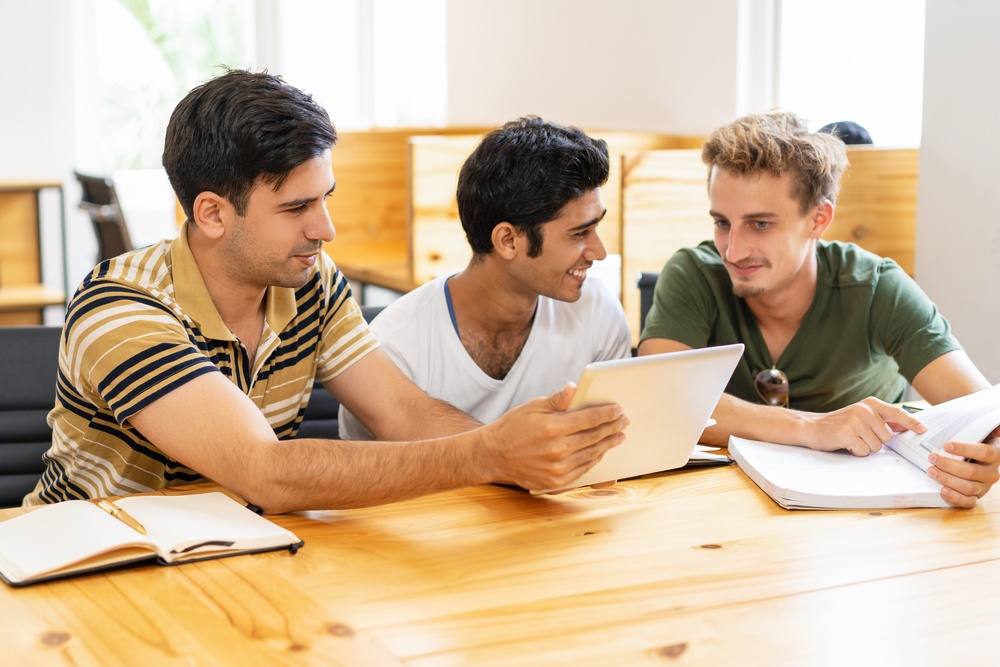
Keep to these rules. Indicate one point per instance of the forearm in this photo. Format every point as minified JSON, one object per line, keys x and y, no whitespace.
{"x":336,"y":474}
{"x":422,"y":418}
{"x":755,"y":422}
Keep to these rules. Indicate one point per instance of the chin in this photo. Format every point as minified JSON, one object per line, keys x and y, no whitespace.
{"x":748,"y":291}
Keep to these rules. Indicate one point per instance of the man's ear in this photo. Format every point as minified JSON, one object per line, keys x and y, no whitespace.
{"x":211,"y":212}
{"x":821,"y":218}
{"x":506,"y":240}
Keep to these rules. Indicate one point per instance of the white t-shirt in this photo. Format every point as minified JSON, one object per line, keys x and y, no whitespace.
{"x":417,"y":333}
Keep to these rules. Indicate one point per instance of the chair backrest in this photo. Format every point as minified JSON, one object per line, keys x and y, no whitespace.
{"x":99,"y":200}
{"x":647,"y":285}
{"x":320,"y":419}
{"x":29,"y":361}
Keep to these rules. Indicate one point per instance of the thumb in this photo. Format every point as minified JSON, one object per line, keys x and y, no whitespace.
{"x":559,"y":401}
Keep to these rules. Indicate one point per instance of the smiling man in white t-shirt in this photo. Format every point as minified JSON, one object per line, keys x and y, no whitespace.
{"x":521,"y":319}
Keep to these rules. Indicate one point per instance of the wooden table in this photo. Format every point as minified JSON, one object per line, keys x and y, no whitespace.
{"x":694,"y":567}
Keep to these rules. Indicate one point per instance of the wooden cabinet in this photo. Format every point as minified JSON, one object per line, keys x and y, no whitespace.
{"x":23,"y":296}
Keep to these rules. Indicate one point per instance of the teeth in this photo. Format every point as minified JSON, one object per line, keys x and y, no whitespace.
{"x":578,"y":273}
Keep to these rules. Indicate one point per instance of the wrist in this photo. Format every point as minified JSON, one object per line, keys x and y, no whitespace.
{"x":482,"y":455}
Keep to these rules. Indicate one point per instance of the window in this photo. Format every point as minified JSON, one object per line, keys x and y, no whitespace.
{"x":857,"y":60}
{"x":145,"y":55}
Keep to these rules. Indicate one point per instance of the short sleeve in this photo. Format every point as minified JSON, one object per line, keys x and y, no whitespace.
{"x":683,"y":307}
{"x":345,"y":336}
{"x":124,"y":349}
{"x":612,"y":337}
{"x":906,"y":323}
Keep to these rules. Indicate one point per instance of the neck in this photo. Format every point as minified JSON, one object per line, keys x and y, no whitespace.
{"x":240,"y":305}
{"x":485,"y":301}
{"x":789,"y":302}
{"x":779,"y":312}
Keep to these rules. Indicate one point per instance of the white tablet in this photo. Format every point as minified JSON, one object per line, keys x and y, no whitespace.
{"x":669,"y":399}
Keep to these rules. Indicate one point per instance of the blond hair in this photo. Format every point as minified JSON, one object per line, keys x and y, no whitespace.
{"x":777,"y":143}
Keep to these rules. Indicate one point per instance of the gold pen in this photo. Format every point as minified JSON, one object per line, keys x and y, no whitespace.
{"x":121,"y":515}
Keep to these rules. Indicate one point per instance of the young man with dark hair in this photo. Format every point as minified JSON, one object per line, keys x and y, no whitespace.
{"x":522,"y":318}
{"x":195,"y":358}
{"x":831,"y":331}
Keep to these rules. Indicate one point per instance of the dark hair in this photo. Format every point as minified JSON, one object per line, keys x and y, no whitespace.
{"x":239,"y":128}
{"x":524,"y":173}
{"x":848,"y":131}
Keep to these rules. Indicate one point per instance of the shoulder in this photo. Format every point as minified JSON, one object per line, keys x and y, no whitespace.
{"x":705,"y":254}
{"x":597,"y":312}
{"x":147,"y":268}
{"x":849,"y":264}
{"x":137,"y":280}
{"x":418,"y":305}
{"x":699,"y":268}
{"x":700,"y":260}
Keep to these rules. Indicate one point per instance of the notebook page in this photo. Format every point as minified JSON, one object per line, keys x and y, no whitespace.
{"x":52,"y":537}
{"x":966,"y":419}
{"x":207,"y":521}
{"x":807,"y":472}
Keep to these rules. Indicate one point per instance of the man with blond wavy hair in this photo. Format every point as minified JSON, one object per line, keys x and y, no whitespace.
{"x":831,"y":331}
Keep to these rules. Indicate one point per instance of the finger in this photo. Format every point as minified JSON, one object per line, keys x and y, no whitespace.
{"x":961,"y":481}
{"x":957,"y":499}
{"x":593,"y":423}
{"x":583,"y":460}
{"x":899,"y":418}
{"x":977,"y":451}
{"x":869,"y":440}
{"x":559,"y":401}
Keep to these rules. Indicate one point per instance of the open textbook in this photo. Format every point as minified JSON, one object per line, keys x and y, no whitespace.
{"x":78,"y":537}
{"x":894,"y":477}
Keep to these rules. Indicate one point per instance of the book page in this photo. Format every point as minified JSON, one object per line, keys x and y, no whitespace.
{"x":966,"y":419}
{"x":50,"y":538}
{"x":183,"y":526}
{"x":799,"y":477}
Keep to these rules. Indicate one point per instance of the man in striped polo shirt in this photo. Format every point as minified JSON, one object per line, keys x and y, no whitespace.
{"x":194,"y":358}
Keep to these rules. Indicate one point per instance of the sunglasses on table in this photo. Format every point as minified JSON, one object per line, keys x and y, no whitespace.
{"x":772,"y":387}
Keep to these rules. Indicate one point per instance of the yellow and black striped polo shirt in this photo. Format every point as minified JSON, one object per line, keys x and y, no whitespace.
{"x":143,"y":324}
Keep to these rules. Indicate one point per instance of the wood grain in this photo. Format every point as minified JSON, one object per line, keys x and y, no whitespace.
{"x":691,"y":566}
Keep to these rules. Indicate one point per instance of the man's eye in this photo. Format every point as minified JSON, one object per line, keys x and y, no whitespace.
{"x":722,"y":224}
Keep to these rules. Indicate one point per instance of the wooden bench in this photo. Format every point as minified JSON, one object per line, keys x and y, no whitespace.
{"x":371,"y":206}
{"x":665,"y":207}
{"x":436,"y":236}
{"x":395,"y":208}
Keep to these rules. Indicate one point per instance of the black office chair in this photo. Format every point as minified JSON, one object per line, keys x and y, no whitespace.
{"x":99,"y":200}
{"x":29,"y":361}
{"x":647,"y":285}
{"x":321,"y":419}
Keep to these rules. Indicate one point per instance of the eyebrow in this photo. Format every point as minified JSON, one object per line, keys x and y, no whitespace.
{"x":749,"y":216}
{"x":589,"y":223}
{"x":305,"y":200}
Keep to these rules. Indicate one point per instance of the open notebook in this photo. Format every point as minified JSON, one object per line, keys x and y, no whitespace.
{"x":77,"y":537}
{"x":669,"y":399}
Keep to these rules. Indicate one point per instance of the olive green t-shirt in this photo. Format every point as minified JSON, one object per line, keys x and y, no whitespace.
{"x":869,"y":330}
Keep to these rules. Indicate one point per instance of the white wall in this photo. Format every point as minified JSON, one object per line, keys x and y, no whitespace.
{"x":958,"y":233}
{"x":666,"y":65}
{"x":36,"y":107}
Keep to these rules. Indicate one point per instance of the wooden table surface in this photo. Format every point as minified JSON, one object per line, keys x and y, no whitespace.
{"x":691,"y":567}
